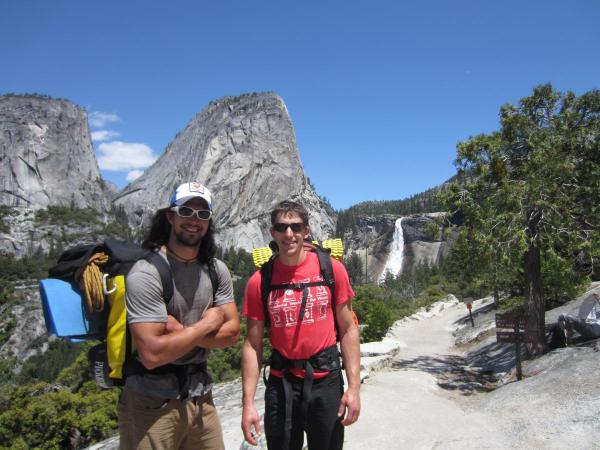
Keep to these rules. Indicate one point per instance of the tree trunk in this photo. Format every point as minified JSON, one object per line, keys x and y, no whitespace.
{"x":495,"y":281}
{"x":535,"y":329}
{"x":496,"y":297}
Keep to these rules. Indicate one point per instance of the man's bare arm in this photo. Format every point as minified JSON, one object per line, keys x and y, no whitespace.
{"x":229,"y":333}
{"x":251,"y":363}
{"x":157,"y":347}
{"x":350,"y":343}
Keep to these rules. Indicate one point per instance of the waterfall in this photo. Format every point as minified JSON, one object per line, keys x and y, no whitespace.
{"x":393,"y":264}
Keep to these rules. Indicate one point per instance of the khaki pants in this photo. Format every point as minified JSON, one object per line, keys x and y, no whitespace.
{"x":152,"y":423}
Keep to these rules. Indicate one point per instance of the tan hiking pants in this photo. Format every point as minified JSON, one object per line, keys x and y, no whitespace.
{"x":152,"y":423}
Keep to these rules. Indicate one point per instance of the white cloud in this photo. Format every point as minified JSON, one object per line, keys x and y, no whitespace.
{"x":98,"y":119}
{"x":104,"y":135}
{"x":117,"y":156}
{"x":134,"y":174}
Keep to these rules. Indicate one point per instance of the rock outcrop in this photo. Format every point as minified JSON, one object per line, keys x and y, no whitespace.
{"x":373,"y":236}
{"x":420,"y":247}
{"x":370,"y":240}
{"x":46,"y":155}
{"x":26,"y":319}
{"x":46,"y":160}
{"x":244,"y":150}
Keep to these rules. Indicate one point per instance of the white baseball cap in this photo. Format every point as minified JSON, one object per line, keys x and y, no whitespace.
{"x":190,"y":190}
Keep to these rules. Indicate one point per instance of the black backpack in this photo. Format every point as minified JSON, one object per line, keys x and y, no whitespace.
{"x":326,"y":272}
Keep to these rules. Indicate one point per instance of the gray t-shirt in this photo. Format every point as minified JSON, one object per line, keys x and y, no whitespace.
{"x":192,"y":295}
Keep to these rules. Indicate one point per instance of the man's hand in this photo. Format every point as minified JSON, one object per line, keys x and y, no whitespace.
{"x":349,"y":409}
{"x":250,"y":424}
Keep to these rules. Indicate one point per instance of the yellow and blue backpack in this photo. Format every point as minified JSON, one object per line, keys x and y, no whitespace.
{"x":85,"y":300}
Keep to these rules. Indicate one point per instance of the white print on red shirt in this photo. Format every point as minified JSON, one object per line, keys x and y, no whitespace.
{"x":285,"y":308}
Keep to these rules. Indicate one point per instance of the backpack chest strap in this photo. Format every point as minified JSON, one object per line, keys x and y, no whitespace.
{"x":297,"y":286}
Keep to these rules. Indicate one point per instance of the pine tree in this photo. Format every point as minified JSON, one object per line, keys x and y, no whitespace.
{"x":532,"y":188}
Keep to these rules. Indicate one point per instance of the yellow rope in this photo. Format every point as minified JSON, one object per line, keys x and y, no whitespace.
{"x":90,"y":281}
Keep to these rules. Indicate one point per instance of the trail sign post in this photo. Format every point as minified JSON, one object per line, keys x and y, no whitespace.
{"x":510,"y":328}
{"x":469,"y":302}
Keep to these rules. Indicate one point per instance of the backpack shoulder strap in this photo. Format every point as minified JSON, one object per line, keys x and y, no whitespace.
{"x":164,"y":271}
{"x":326,"y":268}
{"x":266,"y":276}
{"x":214,"y":276}
{"x":329,"y":279}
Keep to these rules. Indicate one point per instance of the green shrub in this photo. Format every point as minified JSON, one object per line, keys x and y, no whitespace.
{"x":47,"y":366}
{"x":5,"y":211}
{"x":64,"y":215}
{"x":372,"y":312}
{"x":561,"y":282}
{"x":26,"y":268}
{"x":224,"y":364}
{"x":48,"y":416}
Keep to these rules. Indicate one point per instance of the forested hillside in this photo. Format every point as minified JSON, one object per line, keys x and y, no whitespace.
{"x":424,"y":202}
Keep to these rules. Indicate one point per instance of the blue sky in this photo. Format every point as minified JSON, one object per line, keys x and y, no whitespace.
{"x":379,"y":92}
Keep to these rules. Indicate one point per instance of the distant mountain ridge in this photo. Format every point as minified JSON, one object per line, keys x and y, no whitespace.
{"x":244,"y":150}
{"x":421,"y":203}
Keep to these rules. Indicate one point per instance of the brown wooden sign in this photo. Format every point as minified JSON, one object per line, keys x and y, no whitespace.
{"x":510,"y":328}
{"x":509,"y":337}
{"x":512,"y":320}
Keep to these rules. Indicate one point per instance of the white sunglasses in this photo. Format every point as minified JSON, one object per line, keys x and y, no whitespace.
{"x":187,"y":212}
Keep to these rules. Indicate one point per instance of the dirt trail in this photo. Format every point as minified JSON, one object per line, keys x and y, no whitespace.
{"x":430,"y":399}
{"x":404,"y":407}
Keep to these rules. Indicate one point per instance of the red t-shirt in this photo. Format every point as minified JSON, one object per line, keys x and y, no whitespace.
{"x":317,"y":330}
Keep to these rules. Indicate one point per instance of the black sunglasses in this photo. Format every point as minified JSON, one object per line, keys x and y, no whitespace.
{"x":186,"y":211}
{"x":297,"y":227}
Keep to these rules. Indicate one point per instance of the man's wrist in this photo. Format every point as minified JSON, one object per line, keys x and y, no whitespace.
{"x":204,"y":328}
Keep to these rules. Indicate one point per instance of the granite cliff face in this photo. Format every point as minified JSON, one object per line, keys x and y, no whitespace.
{"x":46,"y":159}
{"x":46,"y":155}
{"x":244,"y":150}
{"x":419,"y":246}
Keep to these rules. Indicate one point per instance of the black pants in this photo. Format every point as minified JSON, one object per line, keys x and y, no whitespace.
{"x":323,"y":428}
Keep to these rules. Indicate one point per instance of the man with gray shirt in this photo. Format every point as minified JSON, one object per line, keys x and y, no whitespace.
{"x":167,"y":401}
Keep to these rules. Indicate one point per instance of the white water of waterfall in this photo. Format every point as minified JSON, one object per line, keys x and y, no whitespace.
{"x":393,"y":264}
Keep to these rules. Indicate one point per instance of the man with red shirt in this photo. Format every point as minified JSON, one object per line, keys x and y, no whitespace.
{"x":305,"y":390}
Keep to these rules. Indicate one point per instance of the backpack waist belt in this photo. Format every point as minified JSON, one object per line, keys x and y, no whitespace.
{"x":325,"y":361}
{"x":183,"y":372}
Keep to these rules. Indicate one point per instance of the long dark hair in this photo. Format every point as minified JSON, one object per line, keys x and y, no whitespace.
{"x":160,"y":230}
